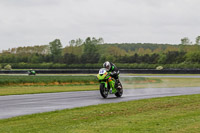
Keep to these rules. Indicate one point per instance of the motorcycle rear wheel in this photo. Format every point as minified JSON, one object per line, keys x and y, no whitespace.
{"x":103,"y":91}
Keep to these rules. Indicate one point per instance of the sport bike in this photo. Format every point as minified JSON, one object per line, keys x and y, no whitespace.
{"x":31,"y":72}
{"x":108,"y":84}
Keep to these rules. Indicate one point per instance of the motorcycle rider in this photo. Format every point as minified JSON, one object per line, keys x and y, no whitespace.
{"x":31,"y":72}
{"x":110,"y":67}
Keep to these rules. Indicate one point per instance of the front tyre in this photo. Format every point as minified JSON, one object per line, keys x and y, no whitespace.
{"x":103,"y":91}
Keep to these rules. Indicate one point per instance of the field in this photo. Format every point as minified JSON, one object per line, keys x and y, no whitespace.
{"x":162,"y":115}
{"x":22,"y":84}
{"x":24,"y":80}
{"x":160,"y":82}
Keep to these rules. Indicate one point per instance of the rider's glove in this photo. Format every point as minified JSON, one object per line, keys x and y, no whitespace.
{"x":113,"y":73}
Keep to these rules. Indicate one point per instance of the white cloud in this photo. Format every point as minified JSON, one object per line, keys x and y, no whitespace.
{"x":37,"y":22}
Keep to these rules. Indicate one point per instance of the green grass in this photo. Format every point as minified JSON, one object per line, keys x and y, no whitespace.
{"x":16,"y":79}
{"x":160,"y":82}
{"x":180,"y":114}
{"x":19,"y":90}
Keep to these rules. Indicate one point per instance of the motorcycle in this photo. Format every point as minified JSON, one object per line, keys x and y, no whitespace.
{"x":108,"y":84}
{"x":31,"y":72}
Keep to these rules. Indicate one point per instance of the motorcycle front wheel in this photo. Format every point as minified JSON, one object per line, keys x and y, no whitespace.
{"x":103,"y":91}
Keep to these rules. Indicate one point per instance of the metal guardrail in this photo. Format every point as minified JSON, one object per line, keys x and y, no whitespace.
{"x":95,"y":71}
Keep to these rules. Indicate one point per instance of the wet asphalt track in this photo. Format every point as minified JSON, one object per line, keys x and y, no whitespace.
{"x":16,"y":105}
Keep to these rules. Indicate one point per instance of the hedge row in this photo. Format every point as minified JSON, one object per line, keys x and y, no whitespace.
{"x":97,"y":66}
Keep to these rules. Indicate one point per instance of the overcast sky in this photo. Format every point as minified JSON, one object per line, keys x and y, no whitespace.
{"x":38,"y":22}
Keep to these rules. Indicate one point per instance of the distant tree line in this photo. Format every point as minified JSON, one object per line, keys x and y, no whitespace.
{"x":94,"y":51}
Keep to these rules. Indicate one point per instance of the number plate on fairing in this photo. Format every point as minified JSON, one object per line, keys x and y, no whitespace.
{"x":102,"y":71}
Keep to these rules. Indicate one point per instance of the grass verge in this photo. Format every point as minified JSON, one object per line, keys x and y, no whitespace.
{"x":10,"y":80}
{"x":160,"y":82}
{"x":19,"y":90}
{"x":168,"y":114}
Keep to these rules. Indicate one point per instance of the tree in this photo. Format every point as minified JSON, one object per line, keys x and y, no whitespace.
{"x":193,"y":57}
{"x":145,"y":58}
{"x":148,"y":51}
{"x":170,"y":48}
{"x":8,"y":67}
{"x":158,"y":50}
{"x":100,"y":40}
{"x":70,"y":58}
{"x":140,"y":51}
{"x":116,"y":51}
{"x":79,"y":42}
{"x":56,"y":50}
{"x":75,"y":47}
{"x":72,"y":43}
{"x":185,"y":41}
{"x":171,"y":57}
{"x":162,"y":59}
{"x":135,"y":59}
{"x":198,"y":40}
{"x":102,"y":58}
{"x":90,"y":54}
{"x":35,"y":58}
{"x":154,"y":58}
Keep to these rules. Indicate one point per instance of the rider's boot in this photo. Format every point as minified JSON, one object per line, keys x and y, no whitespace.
{"x":118,"y":84}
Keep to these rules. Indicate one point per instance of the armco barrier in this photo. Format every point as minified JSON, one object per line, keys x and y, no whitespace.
{"x":64,"y":71}
{"x":95,"y":71}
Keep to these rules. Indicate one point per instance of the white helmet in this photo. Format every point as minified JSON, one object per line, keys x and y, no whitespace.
{"x":107,"y":65}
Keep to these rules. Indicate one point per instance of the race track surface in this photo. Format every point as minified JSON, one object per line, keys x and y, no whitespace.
{"x":16,"y":105}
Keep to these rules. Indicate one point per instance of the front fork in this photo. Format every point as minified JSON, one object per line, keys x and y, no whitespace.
{"x":105,"y":83}
{"x":112,"y":86}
